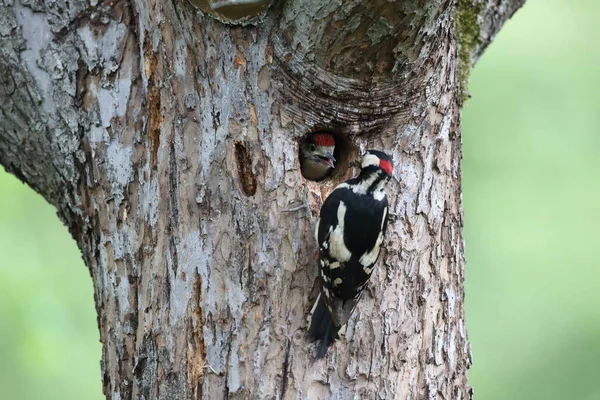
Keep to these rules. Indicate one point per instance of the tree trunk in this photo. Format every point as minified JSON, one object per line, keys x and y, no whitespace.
{"x":167,"y":139}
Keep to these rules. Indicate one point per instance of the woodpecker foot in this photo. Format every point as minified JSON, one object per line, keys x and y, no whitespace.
{"x":354,"y":164}
{"x":303,"y":206}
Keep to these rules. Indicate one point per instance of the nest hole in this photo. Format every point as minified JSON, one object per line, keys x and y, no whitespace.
{"x":247,"y":180}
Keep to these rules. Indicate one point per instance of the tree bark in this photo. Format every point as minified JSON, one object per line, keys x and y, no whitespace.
{"x":167,"y":137}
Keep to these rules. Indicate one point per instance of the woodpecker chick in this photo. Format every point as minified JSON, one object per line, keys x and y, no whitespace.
{"x":316,"y":156}
{"x":349,"y":233}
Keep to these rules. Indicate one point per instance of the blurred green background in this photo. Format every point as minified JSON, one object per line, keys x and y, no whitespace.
{"x":532,"y":212}
{"x":531,"y":168}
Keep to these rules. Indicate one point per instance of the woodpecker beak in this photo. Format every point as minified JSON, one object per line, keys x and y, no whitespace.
{"x":328,"y":159}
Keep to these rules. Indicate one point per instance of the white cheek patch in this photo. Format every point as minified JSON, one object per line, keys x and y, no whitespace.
{"x":363,"y":186}
{"x":337,"y":282}
{"x":366,"y":184}
{"x":338,"y":249}
{"x":370,"y":160}
{"x":379,"y":195}
{"x":379,"y":192}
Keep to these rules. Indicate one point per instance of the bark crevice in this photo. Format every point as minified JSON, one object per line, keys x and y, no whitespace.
{"x":168,"y":143}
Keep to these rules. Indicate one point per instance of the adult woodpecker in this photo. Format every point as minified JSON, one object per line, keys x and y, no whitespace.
{"x":316,"y":156}
{"x":349,"y":233}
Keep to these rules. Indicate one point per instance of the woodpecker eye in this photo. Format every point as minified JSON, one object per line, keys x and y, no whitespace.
{"x":313,"y":147}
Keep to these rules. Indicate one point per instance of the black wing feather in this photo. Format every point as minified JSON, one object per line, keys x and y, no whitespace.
{"x":362,"y":225}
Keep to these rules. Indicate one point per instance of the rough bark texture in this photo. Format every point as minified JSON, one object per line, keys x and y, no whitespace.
{"x":167,"y":140}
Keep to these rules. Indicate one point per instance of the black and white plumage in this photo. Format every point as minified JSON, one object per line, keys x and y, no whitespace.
{"x":351,"y":228}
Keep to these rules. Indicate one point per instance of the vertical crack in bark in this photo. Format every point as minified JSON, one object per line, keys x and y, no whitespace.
{"x":153,"y":99}
{"x":286,"y":365}
{"x":370,"y":364}
{"x":186,"y":54}
{"x":173,"y":227}
{"x":196,"y":350}
{"x":226,"y":385}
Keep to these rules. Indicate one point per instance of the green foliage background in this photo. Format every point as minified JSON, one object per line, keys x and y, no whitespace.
{"x":532,"y":206}
{"x":532,"y":210}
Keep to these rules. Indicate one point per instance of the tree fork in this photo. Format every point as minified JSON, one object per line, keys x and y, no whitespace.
{"x":166,"y":137}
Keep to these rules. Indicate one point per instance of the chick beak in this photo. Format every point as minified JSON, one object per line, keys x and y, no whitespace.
{"x":328,"y":159}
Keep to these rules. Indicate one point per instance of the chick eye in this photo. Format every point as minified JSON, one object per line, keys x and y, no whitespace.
{"x":313,"y":147}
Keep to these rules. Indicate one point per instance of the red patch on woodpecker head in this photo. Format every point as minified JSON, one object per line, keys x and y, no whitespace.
{"x":324,"y":139}
{"x":386,"y":166}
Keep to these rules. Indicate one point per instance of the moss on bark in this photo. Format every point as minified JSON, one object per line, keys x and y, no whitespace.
{"x":467,"y":31}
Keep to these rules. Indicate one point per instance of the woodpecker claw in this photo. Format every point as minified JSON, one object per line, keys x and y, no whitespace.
{"x":354,"y":164}
{"x":303,"y":206}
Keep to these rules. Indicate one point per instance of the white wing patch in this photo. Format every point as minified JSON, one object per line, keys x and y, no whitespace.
{"x":338,"y":249}
{"x":368,"y":259}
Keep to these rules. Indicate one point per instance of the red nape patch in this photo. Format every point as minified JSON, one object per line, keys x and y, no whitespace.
{"x":386,"y":166}
{"x":324,"y":139}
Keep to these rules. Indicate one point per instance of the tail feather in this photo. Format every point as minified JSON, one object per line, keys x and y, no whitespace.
{"x":322,"y":328}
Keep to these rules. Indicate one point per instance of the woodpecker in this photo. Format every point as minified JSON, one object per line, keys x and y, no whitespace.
{"x":352,"y":225}
{"x":316,"y":156}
